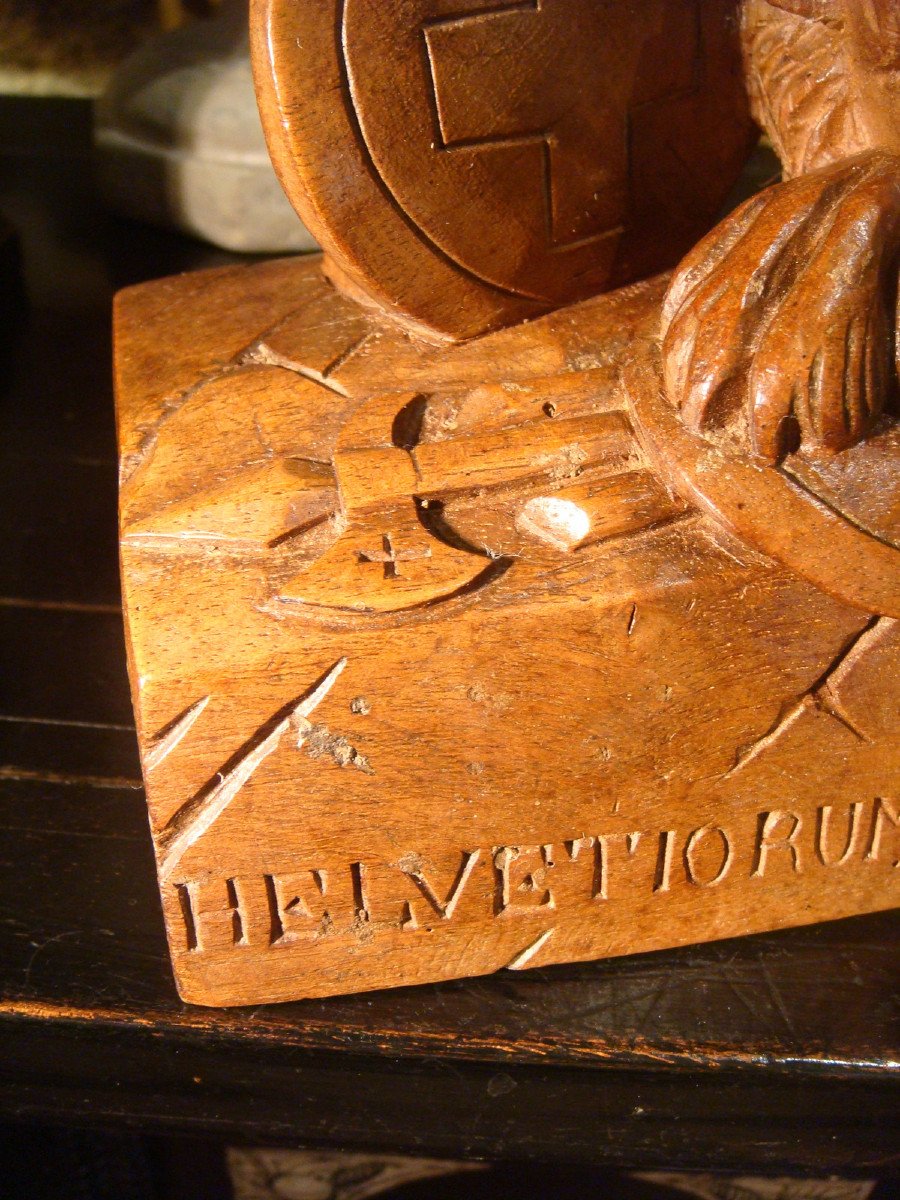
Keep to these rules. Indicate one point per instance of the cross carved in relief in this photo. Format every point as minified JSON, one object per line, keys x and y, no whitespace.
{"x":503,"y":76}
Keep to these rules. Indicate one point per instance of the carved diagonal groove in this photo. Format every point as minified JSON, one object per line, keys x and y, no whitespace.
{"x":195,"y":818}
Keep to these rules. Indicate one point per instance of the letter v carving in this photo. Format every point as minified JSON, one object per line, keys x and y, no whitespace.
{"x":411,"y":865}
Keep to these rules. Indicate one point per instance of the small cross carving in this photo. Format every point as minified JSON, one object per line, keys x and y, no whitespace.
{"x":391,"y":556}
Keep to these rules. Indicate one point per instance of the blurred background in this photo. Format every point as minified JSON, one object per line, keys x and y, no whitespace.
{"x":177,"y":137}
{"x":70,"y":47}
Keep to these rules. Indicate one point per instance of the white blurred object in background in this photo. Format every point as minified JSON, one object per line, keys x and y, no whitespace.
{"x":180,"y":143}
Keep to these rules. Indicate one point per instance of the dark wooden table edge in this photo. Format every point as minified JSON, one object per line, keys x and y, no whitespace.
{"x":100,"y":1072}
{"x":322,"y":1037}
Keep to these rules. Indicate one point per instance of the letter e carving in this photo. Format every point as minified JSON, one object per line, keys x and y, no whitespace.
{"x":291,"y":915}
{"x":520,"y":881}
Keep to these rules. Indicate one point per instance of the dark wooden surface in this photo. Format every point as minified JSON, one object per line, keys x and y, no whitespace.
{"x":770,"y":1053}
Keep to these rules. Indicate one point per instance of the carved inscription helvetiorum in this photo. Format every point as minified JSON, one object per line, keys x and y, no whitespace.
{"x":537,"y":886}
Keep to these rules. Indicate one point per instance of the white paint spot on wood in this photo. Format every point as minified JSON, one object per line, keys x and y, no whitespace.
{"x":559,"y":523}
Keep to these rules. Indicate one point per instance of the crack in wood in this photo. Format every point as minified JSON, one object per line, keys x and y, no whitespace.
{"x":173,"y":733}
{"x":821,"y":695}
{"x":262,"y":355}
{"x":524,"y":957}
{"x":65,"y":606}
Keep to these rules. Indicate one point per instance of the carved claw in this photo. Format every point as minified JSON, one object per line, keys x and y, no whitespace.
{"x":780,"y":325}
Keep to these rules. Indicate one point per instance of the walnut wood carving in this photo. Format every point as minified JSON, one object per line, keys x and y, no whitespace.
{"x":576,"y":638}
{"x":779,"y":330}
{"x":468,"y":164}
{"x":779,"y":327}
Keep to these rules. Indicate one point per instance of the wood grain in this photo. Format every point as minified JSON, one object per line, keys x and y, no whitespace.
{"x":824,"y":77}
{"x":563,"y":641}
{"x":479,"y":591}
{"x":767,"y":1054}
{"x":531,"y":154}
{"x":780,"y":328}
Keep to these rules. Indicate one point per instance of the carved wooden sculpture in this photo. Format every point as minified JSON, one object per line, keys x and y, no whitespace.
{"x":473,"y":630}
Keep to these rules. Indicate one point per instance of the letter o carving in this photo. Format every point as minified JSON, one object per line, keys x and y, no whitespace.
{"x":690,"y":848}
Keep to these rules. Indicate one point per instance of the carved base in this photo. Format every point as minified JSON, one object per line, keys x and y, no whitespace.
{"x":433,"y":673}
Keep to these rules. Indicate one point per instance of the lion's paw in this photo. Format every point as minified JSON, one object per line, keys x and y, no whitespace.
{"x":781,"y":325}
